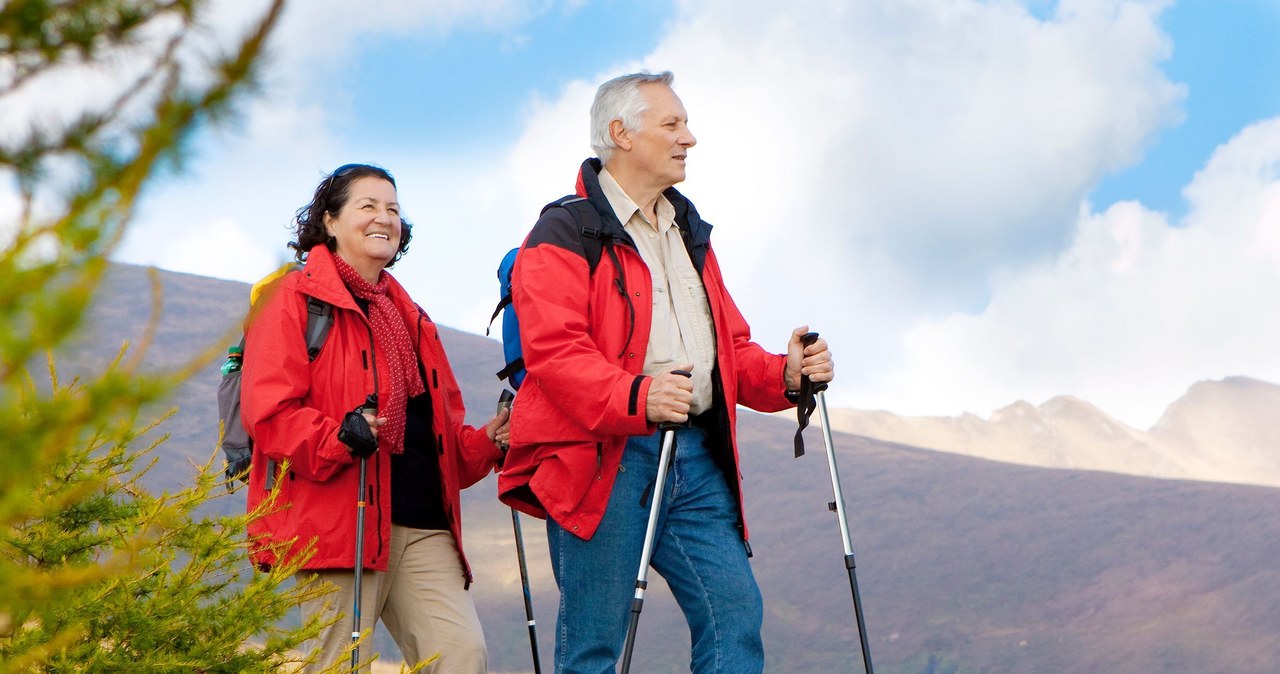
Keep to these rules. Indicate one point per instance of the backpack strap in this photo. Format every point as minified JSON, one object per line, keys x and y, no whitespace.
{"x":511,"y":368}
{"x":319,"y":321}
{"x":594,"y":242}
{"x":620,"y":282}
{"x":505,"y":269}
{"x":319,"y":312}
{"x":589,"y":225}
{"x":497,"y":311}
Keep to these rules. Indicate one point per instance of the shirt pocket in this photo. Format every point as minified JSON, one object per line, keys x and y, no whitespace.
{"x":694,"y":298}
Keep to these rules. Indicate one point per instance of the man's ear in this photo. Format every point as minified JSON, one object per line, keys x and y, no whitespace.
{"x":620,"y":135}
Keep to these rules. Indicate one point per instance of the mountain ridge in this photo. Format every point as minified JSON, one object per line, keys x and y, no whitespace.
{"x":1218,"y":431}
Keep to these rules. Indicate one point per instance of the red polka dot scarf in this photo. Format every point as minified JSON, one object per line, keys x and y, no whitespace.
{"x":391,"y":338}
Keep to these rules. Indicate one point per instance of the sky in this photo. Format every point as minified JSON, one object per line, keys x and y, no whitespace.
{"x":975,"y":202}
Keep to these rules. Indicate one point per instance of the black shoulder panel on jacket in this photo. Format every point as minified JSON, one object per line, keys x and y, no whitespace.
{"x":557,"y":228}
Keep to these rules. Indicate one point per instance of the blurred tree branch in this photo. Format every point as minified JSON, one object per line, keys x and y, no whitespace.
{"x":97,"y":574}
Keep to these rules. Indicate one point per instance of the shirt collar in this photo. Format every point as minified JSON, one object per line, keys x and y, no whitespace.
{"x":624,"y":208}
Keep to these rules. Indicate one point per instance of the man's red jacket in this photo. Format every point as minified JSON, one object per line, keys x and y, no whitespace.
{"x":584,"y":337}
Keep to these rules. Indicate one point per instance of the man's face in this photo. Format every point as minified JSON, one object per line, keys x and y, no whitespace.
{"x":661,"y":144}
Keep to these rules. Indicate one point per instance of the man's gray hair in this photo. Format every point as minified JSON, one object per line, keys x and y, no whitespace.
{"x":620,"y":99}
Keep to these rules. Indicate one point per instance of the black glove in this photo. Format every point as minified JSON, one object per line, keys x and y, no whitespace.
{"x":238,"y":469}
{"x":356,"y":434}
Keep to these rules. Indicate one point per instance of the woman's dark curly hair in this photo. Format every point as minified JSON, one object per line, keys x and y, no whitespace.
{"x":331,"y":195}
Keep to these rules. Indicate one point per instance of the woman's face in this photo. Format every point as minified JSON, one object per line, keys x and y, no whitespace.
{"x":367,"y":229}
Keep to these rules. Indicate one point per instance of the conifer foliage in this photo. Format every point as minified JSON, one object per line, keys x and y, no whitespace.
{"x":96,"y":573}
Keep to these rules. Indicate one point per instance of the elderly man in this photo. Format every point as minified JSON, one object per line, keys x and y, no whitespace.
{"x":614,"y":294}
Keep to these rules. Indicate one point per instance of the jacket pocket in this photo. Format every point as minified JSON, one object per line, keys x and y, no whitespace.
{"x":535,"y":420}
{"x":565,"y":473}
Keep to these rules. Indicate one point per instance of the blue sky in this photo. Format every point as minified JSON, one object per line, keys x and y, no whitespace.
{"x":975,"y":201}
{"x":1227,"y":53}
{"x":480,"y":78}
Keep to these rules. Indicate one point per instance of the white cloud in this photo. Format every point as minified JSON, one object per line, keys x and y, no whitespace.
{"x":906,"y":175}
{"x":206,"y":249}
{"x":252,"y":179}
{"x":1134,"y":311}
{"x":869,"y":164}
{"x":318,"y":37}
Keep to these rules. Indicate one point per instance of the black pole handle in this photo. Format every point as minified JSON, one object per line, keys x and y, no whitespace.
{"x":805,"y":398}
{"x":671,"y":425}
{"x":807,"y":340}
{"x":504,"y":403}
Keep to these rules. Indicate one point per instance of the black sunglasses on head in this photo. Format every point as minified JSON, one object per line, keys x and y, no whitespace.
{"x":338,"y":173}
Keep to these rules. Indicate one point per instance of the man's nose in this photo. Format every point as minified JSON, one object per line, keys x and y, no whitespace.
{"x":688,"y":140}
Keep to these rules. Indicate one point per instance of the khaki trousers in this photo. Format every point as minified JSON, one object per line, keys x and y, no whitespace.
{"x":420,"y":599}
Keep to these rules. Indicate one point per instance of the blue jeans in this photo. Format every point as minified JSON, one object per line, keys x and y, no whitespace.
{"x":697,"y":550}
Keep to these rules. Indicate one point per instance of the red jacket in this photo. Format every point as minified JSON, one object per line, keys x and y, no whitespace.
{"x":584,"y":343}
{"x":292,"y":409}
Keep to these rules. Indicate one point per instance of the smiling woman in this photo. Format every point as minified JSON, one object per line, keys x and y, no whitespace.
{"x":354,"y":200}
{"x":373,"y":415}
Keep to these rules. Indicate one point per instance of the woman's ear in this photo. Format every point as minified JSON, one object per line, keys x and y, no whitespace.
{"x":328,"y":224}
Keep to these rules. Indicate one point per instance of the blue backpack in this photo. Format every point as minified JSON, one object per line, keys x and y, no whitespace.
{"x":588,"y":222}
{"x":514,"y":371}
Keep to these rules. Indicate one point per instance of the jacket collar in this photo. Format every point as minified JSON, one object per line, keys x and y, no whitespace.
{"x":695,"y":231}
{"x":320,"y":280}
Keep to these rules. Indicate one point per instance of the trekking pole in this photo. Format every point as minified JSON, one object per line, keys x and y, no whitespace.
{"x":359,"y":569}
{"x":668,"y":431}
{"x":528,"y":598}
{"x":370,"y":407}
{"x":504,"y":402}
{"x":809,"y":388}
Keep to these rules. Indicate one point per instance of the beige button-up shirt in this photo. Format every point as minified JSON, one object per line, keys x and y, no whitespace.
{"x":682,"y":331}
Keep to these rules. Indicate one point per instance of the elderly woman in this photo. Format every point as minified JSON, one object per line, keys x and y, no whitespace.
{"x":419,"y":453}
